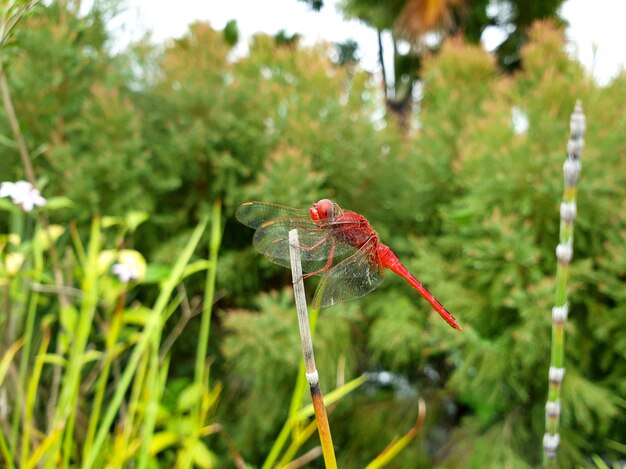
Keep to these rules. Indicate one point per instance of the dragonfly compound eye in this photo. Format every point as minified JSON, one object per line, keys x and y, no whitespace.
{"x":325,"y":210}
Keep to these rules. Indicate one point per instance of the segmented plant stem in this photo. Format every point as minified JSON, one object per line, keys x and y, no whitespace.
{"x":307,"y":349}
{"x":564,"y":250}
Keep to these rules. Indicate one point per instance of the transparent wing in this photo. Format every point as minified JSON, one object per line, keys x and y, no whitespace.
{"x":317,"y":244}
{"x":273,"y":223}
{"x":352,"y":278}
{"x":254,"y":214}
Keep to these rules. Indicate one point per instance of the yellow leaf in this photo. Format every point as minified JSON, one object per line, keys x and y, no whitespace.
{"x":161,"y":441}
{"x":8,"y":356}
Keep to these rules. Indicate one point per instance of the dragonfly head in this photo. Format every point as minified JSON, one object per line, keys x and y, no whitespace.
{"x":323,"y":211}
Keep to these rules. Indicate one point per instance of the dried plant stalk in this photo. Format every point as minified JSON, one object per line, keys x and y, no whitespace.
{"x":307,"y":349}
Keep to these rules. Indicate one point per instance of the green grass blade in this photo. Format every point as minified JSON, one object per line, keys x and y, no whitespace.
{"x":6,"y":452}
{"x":31,"y":395}
{"x":67,"y":398}
{"x":209,"y":293}
{"x":152,"y":328}
{"x":397,"y":446}
{"x":333,"y":396}
{"x":101,"y":385}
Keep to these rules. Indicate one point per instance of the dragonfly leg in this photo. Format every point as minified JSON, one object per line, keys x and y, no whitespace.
{"x":328,"y":265}
{"x":304,"y":247}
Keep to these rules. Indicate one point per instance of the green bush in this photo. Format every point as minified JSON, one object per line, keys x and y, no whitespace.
{"x":468,"y":199}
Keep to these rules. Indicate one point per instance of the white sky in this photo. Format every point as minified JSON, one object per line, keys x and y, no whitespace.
{"x":597,"y":31}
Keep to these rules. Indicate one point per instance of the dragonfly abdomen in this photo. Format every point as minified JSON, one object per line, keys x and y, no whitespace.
{"x":390,"y":261}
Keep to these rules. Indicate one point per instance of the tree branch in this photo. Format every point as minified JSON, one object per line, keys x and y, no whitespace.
{"x":381,"y":60}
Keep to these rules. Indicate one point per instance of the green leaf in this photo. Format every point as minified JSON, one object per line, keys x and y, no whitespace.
{"x":8,"y":357}
{"x":57,"y":203}
{"x":42,"y":239}
{"x":6,"y":204}
{"x":92,"y":356}
{"x":106,"y":258}
{"x":333,"y":396}
{"x":162,"y":440}
{"x":203,"y":457}
{"x":54,"y":359}
{"x":197,"y":266}
{"x":156,"y":273}
{"x":68,"y":317}
{"x":135,"y":218}
{"x":109,"y":221}
{"x":138,"y":316}
{"x":189,"y":397}
{"x":8,"y":142}
{"x":599,"y":462}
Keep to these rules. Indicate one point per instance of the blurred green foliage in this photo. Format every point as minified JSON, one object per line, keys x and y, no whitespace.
{"x":468,"y":199}
{"x":418,"y":29}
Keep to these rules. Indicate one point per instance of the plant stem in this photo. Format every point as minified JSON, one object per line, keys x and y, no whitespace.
{"x":69,"y":396}
{"x":151,"y":333}
{"x":381,"y":61}
{"x":298,"y":391}
{"x":15,"y":127}
{"x":201,"y":374}
{"x":571,"y":171}
{"x":26,"y":351}
{"x":6,"y":26}
{"x":152,"y":393}
{"x":307,"y":349}
{"x":110,"y":354}
{"x":209,"y":294}
{"x":31,"y":393}
{"x":6,"y":452}
{"x":30,"y":175}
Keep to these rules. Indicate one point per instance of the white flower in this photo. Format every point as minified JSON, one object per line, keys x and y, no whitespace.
{"x":125,"y":272}
{"x":22,"y":193}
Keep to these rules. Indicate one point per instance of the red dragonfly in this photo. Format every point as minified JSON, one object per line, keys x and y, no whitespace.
{"x":339,"y":243}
